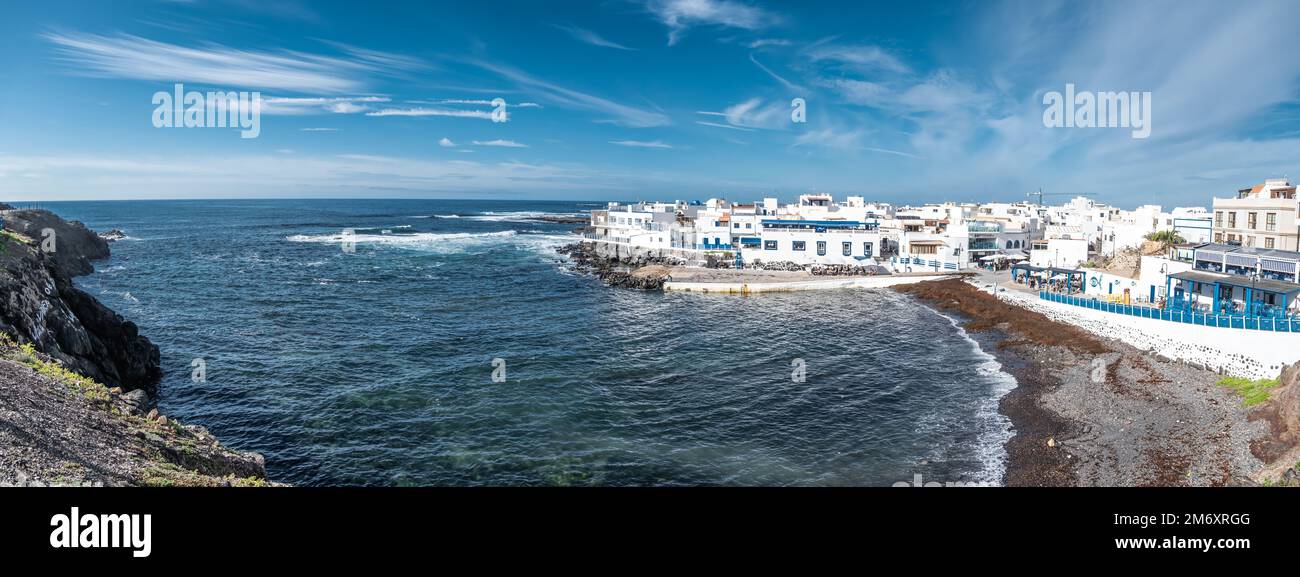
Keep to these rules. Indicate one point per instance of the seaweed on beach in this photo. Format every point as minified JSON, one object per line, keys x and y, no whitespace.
{"x":986,"y":311}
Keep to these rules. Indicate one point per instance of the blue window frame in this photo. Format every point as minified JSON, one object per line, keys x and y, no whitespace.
{"x":798,"y":246}
{"x":769,"y":245}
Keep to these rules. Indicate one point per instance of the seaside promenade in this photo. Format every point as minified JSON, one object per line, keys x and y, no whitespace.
{"x":1237,"y":352}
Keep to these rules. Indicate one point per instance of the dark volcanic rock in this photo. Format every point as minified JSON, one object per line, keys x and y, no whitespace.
{"x":40,"y":305}
{"x":1282,"y":413}
{"x":112,"y":235}
{"x":74,"y":244}
{"x":639,"y":272}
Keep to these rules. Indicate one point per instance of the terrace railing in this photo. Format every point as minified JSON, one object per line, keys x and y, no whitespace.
{"x":1284,"y":325}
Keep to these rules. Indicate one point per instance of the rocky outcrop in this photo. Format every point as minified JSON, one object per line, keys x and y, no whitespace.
{"x":40,"y":305}
{"x":643,"y":272}
{"x":73,"y":245}
{"x":1282,"y":413}
{"x":112,"y":235}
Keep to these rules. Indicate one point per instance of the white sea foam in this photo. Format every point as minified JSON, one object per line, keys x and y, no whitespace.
{"x":516,"y":216}
{"x":445,"y":243}
{"x":995,"y":428}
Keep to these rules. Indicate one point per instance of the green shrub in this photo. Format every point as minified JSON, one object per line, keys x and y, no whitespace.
{"x":1251,"y":392}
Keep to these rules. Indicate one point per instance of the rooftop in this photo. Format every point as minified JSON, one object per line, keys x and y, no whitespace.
{"x":1266,"y":285}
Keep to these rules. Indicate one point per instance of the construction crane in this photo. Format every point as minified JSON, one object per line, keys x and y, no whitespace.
{"x":1040,"y":194}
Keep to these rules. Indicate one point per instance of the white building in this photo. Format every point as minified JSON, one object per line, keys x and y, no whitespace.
{"x":1262,"y":216}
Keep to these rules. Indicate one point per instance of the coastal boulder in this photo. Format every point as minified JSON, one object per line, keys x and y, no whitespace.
{"x":1282,"y":413}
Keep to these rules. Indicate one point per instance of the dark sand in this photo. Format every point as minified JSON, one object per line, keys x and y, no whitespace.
{"x":1093,"y":411}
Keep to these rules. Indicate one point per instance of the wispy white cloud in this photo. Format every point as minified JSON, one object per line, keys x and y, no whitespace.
{"x":830,"y":138}
{"x":319,"y":105}
{"x":133,"y":57}
{"x":318,"y":129}
{"x":500,"y":143}
{"x":753,"y":114}
{"x":721,"y":125}
{"x":777,"y":77}
{"x":858,"y":56}
{"x":642,"y":143}
{"x":451,"y":112}
{"x":616,"y":113}
{"x":680,"y":15}
{"x":474,"y":101}
{"x":143,"y":176}
{"x":762,"y":42}
{"x":446,"y":143}
{"x":589,"y":37}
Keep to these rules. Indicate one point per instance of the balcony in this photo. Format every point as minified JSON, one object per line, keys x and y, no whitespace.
{"x":984,"y":245}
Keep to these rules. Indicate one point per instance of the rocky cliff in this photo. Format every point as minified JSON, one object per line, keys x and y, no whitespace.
{"x":40,"y":253}
{"x":76,"y":378}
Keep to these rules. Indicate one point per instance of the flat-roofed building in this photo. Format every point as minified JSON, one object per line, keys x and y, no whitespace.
{"x":1262,"y":216}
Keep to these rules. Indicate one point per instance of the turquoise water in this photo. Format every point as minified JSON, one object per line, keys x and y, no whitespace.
{"x":374,"y":367}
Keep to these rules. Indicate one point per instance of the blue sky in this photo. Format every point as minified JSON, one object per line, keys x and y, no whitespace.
{"x":646,"y":99}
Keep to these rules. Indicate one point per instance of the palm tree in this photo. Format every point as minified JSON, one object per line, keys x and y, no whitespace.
{"x":1166,"y":238}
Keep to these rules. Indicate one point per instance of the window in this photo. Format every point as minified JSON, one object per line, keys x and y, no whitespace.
{"x":821,"y":248}
{"x":1218,"y":218}
{"x":924,"y":249}
{"x":1218,"y":237}
{"x":798,"y":246}
{"x":1270,"y":221}
{"x":1232,"y":219}
{"x":769,"y":245}
{"x":848,"y":249}
{"x":1252,"y":220}
{"x":1268,"y":242}
{"x":866,"y":249}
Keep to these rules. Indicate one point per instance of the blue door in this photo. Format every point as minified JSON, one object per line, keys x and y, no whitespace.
{"x":1153,"y":294}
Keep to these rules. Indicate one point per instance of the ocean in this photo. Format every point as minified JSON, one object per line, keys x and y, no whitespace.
{"x":373,"y":363}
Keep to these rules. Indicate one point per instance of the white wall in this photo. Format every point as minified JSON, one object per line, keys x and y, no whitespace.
{"x":1063,"y":253}
{"x":785,"y":240}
